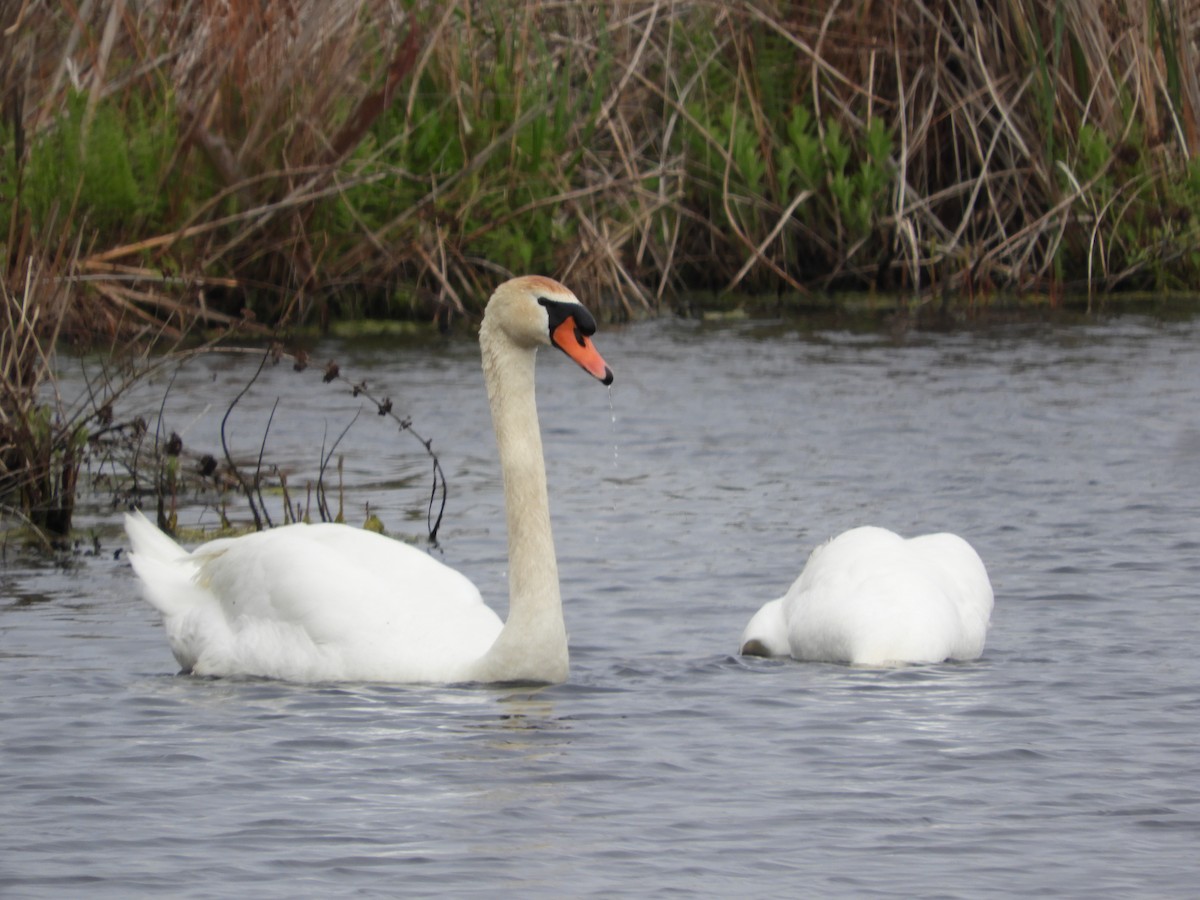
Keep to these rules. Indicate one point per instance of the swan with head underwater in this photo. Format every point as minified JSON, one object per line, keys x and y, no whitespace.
{"x":329,"y":602}
{"x":869,"y":597}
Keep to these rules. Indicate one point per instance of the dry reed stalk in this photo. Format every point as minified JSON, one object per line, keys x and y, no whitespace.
{"x":985,"y":102}
{"x":39,"y":458}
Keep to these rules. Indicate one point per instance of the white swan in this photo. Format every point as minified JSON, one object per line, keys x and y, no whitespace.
{"x":334,"y":603}
{"x":869,"y":597}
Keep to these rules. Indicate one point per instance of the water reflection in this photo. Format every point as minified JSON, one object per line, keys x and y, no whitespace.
{"x":667,"y":764}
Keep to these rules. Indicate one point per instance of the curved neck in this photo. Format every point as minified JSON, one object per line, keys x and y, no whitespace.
{"x":533,"y":644}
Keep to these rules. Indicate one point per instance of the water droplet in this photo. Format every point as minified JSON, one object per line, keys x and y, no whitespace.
{"x":612,"y":482}
{"x":612,"y":409}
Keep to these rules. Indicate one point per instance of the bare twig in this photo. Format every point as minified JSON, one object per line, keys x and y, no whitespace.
{"x":246,"y":490}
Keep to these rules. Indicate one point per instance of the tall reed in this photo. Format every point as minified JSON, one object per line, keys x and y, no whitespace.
{"x":39,"y":457}
{"x":226,"y":162}
{"x":334,"y":157}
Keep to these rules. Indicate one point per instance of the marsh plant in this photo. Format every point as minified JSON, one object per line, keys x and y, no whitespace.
{"x":47,"y":439}
{"x":53,"y":444}
{"x":318,"y":159}
{"x":232,"y":164}
{"x":39,"y":453}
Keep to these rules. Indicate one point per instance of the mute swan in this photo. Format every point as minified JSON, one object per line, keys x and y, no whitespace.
{"x":869,"y":597}
{"x":333,"y":603}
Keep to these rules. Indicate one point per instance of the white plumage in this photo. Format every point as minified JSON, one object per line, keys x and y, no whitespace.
{"x":869,"y":597}
{"x":334,"y":603}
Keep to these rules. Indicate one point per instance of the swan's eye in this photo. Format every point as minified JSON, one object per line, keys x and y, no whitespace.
{"x":559,"y":311}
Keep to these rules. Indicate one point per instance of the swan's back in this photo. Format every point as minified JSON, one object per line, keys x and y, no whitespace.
{"x":870,"y":597}
{"x":313,"y":603}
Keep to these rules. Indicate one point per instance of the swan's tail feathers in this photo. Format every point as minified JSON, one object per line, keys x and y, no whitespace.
{"x":147,"y":540}
{"x":166,"y":570}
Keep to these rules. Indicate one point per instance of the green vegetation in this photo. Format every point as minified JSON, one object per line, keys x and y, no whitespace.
{"x":246,"y":164}
{"x":108,"y":163}
{"x":322,"y":160}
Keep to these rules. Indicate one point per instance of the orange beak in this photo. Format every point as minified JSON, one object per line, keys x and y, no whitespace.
{"x":570,"y":340}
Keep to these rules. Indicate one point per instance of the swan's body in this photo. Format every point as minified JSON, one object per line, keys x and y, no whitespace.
{"x":869,"y":597}
{"x":334,"y":603}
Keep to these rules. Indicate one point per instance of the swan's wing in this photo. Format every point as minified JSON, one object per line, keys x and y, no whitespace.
{"x":333,"y":602}
{"x":963,"y":580}
{"x":870,"y":597}
{"x":332,"y":578}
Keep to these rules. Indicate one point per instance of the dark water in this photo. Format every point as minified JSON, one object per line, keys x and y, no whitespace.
{"x":1064,"y":763}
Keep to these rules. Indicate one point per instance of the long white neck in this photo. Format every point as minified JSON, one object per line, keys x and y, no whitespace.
{"x":533,"y":643}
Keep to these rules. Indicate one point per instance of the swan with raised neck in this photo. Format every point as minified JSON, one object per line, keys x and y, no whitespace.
{"x":333,"y":603}
{"x":533,"y":643}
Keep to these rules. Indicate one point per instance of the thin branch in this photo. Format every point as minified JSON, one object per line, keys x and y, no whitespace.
{"x":322,"y":506}
{"x":258,"y":523}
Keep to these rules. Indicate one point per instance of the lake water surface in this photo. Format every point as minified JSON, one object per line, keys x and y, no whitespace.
{"x":1064,"y":763}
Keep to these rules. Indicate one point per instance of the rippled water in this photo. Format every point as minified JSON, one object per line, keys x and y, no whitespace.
{"x":1063,"y":763}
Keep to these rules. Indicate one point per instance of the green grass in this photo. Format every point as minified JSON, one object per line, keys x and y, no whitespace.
{"x":399,"y":160}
